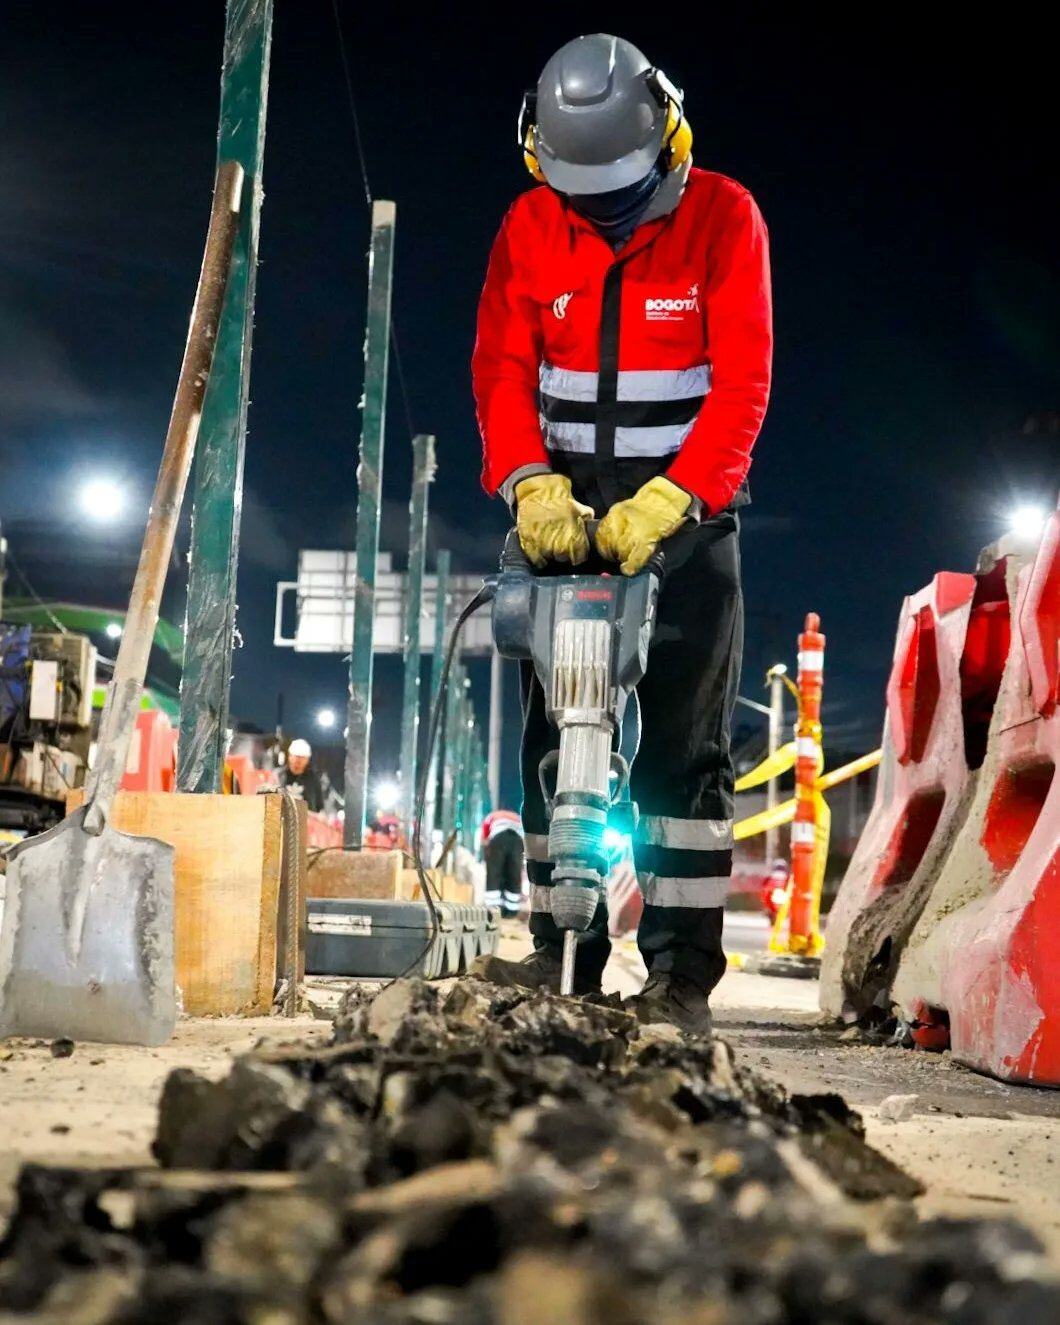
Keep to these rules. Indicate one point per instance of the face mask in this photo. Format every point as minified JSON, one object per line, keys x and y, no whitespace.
{"x":617,"y":213}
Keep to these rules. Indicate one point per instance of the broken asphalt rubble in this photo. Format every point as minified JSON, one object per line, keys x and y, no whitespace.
{"x":488,"y":1156}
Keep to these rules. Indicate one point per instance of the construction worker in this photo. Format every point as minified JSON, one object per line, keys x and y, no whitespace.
{"x":621,"y":370}
{"x":298,"y":777}
{"x":502,"y":851}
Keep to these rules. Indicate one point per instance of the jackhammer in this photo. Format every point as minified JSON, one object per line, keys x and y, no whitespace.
{"x":587,"y":636}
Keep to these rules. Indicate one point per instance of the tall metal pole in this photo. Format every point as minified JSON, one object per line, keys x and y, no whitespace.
{"x":451,"y":751}
{"x":209,"y":630}
{"x":480,"y":799}
{"x":441,"y":600}
{"x":462,"y":765}
{"x":776,"y":722}
{"x":3,"y":571}
{"x":422,"y":475}
{"x":496,"y":726}
{"x":369,"y":489}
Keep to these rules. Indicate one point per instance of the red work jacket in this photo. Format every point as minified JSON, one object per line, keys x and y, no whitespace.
{"x":652,"y":360}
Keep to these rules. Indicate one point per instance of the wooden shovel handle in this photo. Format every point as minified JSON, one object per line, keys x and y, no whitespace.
{"x":123,"y":699}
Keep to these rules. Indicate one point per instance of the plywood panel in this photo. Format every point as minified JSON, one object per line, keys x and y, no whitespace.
{"x":227,"y":865}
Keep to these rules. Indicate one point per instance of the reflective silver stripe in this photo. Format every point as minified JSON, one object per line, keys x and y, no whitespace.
{"x":567,"y":383}
{"x":537,"y":847}
{"x":580,"y":438}
{"x":660,"y":830}
{"x":633,"y":384}
{"x":699,"y":894}
{"x":664,"y":383}
{"x":540,"y":899}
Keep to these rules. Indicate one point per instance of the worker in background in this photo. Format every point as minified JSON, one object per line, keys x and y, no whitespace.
{"x":621,"y":370}
{"x":775,"y":887}
{"x":502,"y":851}
{"x":299,"y":777}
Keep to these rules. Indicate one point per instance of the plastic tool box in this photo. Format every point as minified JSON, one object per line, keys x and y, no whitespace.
{"x":375,"y":938}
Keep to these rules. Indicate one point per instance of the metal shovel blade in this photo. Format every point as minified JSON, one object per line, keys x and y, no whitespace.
{"x":86,"y":944}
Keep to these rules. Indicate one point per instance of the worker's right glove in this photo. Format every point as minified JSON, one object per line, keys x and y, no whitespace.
{"x":550,"y":523}
{"x":632,"y":529}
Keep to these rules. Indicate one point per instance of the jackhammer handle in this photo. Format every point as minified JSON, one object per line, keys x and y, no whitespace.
{"x":513,"y":558}
{"x":656,"y":562}
{"x":512,"y":555}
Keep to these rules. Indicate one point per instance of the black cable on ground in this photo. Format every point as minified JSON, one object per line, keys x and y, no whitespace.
{"x":363,"y":163}
{"x":483,"y":596}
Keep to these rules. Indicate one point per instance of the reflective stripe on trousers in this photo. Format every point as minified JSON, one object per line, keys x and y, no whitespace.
{"x":536,"y":847}
{"x":693,"y":894}
{"x":661,"y":830}
{"x":540,"y":899}
{"x":689,"y":894}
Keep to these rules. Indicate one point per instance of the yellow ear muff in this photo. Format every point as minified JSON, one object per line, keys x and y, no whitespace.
{"x":677,"y":140}
{"x":530,"y":156}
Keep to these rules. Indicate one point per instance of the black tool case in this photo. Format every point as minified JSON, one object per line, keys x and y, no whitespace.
{"x":374,"y":938}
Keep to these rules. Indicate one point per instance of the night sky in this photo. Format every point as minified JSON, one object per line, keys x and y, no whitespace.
{"x":908,"y":176}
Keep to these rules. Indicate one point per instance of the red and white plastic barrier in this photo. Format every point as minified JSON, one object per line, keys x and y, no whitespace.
{"x":984,"y":957}
{"x":152,"y":761}
{"x":921,"y":794}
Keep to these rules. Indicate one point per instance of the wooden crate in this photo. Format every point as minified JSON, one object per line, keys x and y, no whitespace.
{"x":448,"y":888}
{"x":228,"y":869}
{"x":334,"y":873}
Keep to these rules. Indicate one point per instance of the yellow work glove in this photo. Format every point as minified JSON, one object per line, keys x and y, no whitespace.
{"x":632,"y":529}
{"x":551,"y":524}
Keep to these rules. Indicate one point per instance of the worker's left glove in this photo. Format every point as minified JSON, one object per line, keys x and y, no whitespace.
{"x":632,"y":529}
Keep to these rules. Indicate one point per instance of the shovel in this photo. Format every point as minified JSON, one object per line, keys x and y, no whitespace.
{"x":86,"y":945}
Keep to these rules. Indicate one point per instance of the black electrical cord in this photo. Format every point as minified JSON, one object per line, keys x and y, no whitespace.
{"x":14,"y":563}
{"x":359,"y":144}
{"x":484,"y":595}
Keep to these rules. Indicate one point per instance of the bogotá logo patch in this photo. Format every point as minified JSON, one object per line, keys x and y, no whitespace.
{"x":672,"y":310}
{"x":559,"y":305}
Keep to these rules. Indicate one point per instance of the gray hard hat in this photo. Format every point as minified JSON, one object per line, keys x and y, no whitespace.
{"x":600,"y":124}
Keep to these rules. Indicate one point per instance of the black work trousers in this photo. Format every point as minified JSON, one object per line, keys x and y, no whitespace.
{"x":682,"y":777}
{"x":503,"y":855}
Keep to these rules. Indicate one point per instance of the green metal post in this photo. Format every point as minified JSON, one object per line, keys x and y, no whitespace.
{"x":462,"y":768}
{"x":422,"y":475}
{"x":209,"y":631}
{"x":451,"y":753}
{"x":441,"y":604}
{"x":478,"y":794}
{"x":369,"y":490}
{"x":474,"y":774}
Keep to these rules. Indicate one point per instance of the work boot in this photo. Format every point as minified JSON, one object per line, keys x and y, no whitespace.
{"x":668,"y":998}
{"x":540,"y":970}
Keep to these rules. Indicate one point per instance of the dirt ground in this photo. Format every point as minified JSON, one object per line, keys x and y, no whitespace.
{"x":980,"y":1147}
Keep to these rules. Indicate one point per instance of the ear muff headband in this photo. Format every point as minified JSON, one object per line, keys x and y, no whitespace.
{"x":677,"y":136}
{"x":527,"y":135}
